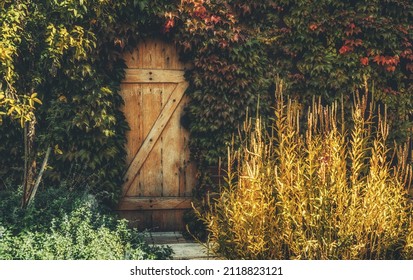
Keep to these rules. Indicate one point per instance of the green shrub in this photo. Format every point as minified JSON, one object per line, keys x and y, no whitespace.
{"x":318,"y":194}
{"x":68,"y":225}
{"x":81,"y":235}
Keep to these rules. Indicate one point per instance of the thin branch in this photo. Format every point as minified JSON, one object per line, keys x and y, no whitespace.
{"x":39,"y":177}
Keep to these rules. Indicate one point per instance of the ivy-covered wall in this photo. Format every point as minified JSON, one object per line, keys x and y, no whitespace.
{"x":322,"y":48}
{"x":69,"y":53}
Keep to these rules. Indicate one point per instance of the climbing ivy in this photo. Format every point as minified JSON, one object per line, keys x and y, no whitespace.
{"x":330,"y":48}
{"x":229,"y":74}
{"x":327,"y":48}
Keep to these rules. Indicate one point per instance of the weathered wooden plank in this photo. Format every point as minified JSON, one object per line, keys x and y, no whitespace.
{"x":169,"y":219}
{"x":154,"y":134}
{"x":152,"y":178}
{"x":171,"y":151}
{"x":131,"y":58}
{"x":147,"y":53}
{"x":132,"y":109}
{"x":171,"y":58}
{"x":190,"y":176}
{"x":157,"y":47}
{"x":184,"y":157}
{"x":153,"y":76}
{"x":155,"y":203}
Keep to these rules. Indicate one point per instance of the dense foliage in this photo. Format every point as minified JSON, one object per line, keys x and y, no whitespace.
{"x":326,"y":192}
{"x":66,"y":55}
{"x":57,"y":51}
{"x":328,"y":48}
{"x":65,"y":224}
{"x":230,"y":69}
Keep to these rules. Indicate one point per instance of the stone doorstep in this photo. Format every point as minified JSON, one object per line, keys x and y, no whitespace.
{"x":189,"y":251}
{"x":183,"y":249}
{"x":160,"y":238}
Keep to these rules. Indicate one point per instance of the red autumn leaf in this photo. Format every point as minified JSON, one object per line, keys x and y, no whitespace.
{"x":352,"y":29}
{"x":345,"y":49}
{"x":235,"y":38}
{"x":379,"y":59}
{"x":313,"y":27}
{"x":407,"y":43}
{"x":406,"y":53}
{"x":386,"y":60}
{"x":215,"y":19}
{"x":223,"y":44}
{"x":358,"y":42}
{"x":200,"y":11}
{"x":391,"y":60}
{"x":391,"y":68}
{"x":402,"y":29}
{"x":364,"y":61}
{"x":168,"y":25}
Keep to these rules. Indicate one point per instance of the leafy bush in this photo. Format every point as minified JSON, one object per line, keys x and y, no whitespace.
{"x":69,"y":225}
{"x":318,"y":194}
{"x":47,"y":205}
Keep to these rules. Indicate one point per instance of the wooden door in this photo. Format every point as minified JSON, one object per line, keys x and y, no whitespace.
{"x":160,"y":176}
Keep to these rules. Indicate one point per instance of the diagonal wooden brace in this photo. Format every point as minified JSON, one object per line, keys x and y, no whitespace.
{"x":154,"y":134}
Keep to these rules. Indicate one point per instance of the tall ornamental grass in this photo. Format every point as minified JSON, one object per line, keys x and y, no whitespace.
{"x":323,"y":192}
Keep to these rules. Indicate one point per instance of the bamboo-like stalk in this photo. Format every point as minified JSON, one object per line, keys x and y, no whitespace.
{"x":33,"y":191}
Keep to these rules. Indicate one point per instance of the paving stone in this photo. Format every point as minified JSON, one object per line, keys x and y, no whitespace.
{"x":184,"y":249}
{"x":189,"y":251}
